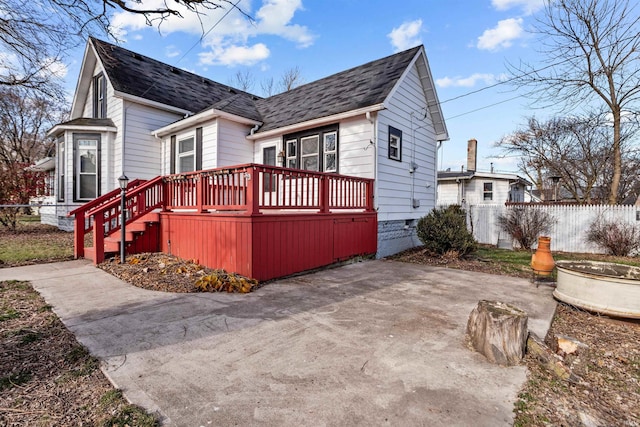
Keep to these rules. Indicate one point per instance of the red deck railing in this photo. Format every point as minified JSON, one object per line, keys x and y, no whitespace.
{"x":245,"y":189}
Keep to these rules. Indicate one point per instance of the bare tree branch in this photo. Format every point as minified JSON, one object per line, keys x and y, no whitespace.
{"x":34,"y":36}
{"x":591,"y":51}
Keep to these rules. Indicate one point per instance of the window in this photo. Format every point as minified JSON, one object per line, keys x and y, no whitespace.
{"x":395,"y":144}
{"x":269,"y":158}
{"x":86,"y":166}
{"x":61,"y":168}
{"x":186,"y":155}
{"x":487,"y":193}
{"x":314,"y":150}
{"x":310,"y":153}
{"x":292,"y":153}
{"x":99,"y":97}
{"x":330,"y":149}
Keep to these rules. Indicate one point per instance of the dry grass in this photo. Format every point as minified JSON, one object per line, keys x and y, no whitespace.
{"x":47,"y":378}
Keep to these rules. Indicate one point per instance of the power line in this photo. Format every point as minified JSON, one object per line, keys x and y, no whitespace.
{"x":482,"y":108}
{"x":514,"y":78}
{"x":235,"y":6}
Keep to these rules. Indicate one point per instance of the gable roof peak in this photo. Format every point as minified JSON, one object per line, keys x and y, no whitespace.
{"x":141,"y":76}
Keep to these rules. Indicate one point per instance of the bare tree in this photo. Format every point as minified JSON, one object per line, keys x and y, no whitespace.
{"x":573,"y":149}
{"x":268,"y":87}
{"x":591,"y":53}
{"x":25,"y":117}
{"x":290,"y":79}
{"x":243,"y":80}
{"x":34,"y":36}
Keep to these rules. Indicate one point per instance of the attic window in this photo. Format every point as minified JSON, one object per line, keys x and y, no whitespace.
{"x":99,"y":97}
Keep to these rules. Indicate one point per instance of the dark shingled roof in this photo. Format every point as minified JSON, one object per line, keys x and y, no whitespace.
{"x":141,"y":76}
{"x":359,"y":87}
{"x":85,"y":121}
{"x":356,"y":88}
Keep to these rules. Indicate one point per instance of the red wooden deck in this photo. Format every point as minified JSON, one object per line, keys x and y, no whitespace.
{"x":260,"y":221}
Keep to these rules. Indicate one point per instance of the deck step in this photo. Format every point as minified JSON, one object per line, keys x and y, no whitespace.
{"x":90,"y":253}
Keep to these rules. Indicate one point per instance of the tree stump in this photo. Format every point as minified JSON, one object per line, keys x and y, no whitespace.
{"x":499,"y":331}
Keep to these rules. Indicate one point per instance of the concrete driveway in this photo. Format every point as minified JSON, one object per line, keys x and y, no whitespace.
{"x":372,"y":343}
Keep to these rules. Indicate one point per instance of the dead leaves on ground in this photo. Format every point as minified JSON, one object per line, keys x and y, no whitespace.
{"x":162,"y":272}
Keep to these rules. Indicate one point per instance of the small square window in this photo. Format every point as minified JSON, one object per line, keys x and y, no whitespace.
{"x":487,"y":191}
{"x":395,"y":144}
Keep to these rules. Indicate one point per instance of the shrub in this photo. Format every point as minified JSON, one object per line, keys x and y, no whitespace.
{"x":525,"y":224}
{"x":444,"y":230}
{"x":619,"y":239}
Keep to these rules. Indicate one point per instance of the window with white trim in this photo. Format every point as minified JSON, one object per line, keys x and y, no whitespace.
{"x":314,"y":149}
{"x":292,"y":153}
{"x":61,"y":168}
{"x":395,"y":144}
{"x":487,"y":191}
{"x":310,"y":153}
{"x":99,"y":97}
{"x":86,"y":166}
{"x":330,"y":149}
{"x":186,"y":155}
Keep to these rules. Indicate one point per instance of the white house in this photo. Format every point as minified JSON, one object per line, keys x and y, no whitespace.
{"x":472,"y":187}
{"x":137,"y":116}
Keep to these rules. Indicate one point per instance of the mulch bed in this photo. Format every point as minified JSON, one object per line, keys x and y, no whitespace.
{"x":161,"y":272}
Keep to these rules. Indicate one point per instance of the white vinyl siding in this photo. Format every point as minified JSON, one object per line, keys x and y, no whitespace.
{"x":233,"y":146}
{"x":142,"y":150}
{"x":356,"y":149}
{"x":450,"y":192}
{"x":397,"y":186}
{"x":275,"y":141}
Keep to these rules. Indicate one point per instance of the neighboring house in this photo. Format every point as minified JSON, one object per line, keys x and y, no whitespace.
{"x":45,"y":197}
{"x":472,"y":187}
{"x":134,"y":115}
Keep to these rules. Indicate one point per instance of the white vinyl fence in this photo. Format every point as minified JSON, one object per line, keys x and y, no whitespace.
{"x":568,"y":232}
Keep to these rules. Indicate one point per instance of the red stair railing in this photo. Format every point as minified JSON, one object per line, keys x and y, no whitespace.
{"x":249,"y":189}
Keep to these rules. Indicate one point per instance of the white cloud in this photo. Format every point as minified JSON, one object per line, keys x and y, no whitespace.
{"x":11,"y":66}
{"x":528,"y":6}
{"x":231,"y":55}
{"x":470,"y":81}
{"x":229,"y":34}
{"x":502,"y":35}
{"x":406,"y":35}
{"x":55,"y":68}
{"x":172,"y":51}
{"x":274,"y":17}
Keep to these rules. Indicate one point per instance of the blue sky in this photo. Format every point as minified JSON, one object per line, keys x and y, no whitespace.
{"x":467,"y":42}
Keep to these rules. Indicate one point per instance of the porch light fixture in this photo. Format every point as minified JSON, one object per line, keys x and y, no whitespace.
{"x":281,"y":157}
{"x":123,"y":181}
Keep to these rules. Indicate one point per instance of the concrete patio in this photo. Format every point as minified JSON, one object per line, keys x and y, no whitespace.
{"x":372,"y":343}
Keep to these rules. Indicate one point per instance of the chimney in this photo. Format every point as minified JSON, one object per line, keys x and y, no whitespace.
{"x":472,"y":146}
